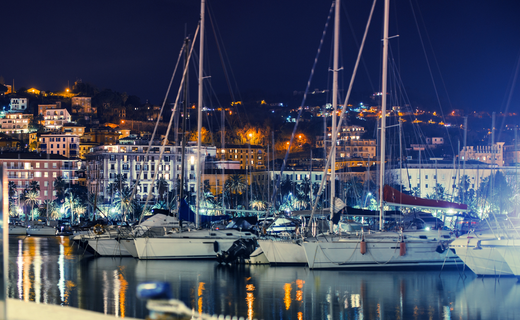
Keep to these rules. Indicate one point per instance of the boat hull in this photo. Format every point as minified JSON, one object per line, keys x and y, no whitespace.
{"x":17,"y":230}
{"x":108,"y":247}
{"x":283,"y":252}
{"x":383,"y":252}
{"x":481,"y":256}
{"x":189,"y":245}
{"x":41,"y":231}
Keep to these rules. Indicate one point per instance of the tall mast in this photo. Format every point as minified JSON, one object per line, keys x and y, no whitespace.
{"x":199,"y":114}
{"x":383,"y":113}
{"x":334,"y":108}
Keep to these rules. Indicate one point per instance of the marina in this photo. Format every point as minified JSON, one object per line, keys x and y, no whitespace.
{"x":51,"y":270}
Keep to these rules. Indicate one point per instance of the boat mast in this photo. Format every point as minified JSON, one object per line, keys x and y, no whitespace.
{"x":383,"y":114}
{"x":199,"y":114}
{"x":334,"y":107}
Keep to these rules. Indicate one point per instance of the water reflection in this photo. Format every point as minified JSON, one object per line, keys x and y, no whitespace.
{"x":50,"y":270}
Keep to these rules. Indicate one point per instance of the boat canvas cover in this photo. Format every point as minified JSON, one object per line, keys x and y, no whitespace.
{"x":393,"y":197}
{"x":186,"y":214}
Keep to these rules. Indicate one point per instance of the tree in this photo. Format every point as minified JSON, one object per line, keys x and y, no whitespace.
{"x":31,"y":198}
{"x":235,"y":185}
{"x":162,"y":188}
{"x":123,"y":202}
{"x":60,"y":187}
{"x":12,"y":191}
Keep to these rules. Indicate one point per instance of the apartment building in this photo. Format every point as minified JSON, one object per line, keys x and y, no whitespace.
{"x":16,"y":123}
{"x":82,"y":105}
{"x":55,"y":118}
{"x":250,"y":157}
{"x":129,"y":158}
{"x":18,"y":104}
{"x":22,"y":168}
{"x":66,"y":145}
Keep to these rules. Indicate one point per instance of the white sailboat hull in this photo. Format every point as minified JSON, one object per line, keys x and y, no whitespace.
{"x":481,"y":258}
{"x":203,"y":244}
{"x":282,"y":252}
{"x":381,"y":252}
{"x":108,"y":247}
{"x":129,"y":245}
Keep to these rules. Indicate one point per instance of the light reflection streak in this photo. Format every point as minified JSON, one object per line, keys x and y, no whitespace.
{"x":299,"y":293}
{"x":27,"y":259}
{"x":123,"y":286}
{"x":287,"y":298}
{"x":300,"y":315}
{"x":20,"y":270}
{"x":116,"y":292}
{"x":250,"y":298}
{"x":105,"y":292}
{"x":200,"y":291}
{"x":37,"y":266}
{"x":446,"y":313}
{"x":61,"y":268}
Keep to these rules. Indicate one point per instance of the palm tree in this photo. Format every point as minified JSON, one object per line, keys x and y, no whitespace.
{"x":60,"y":187}
{"x":31,"y":198}
{"x":162,"y":188}
{"x":12,"y":191}
{"x":34,"y":186}
{"x":50,"y":209}
{"x":123,"y":202}
{"x":235,"y":184}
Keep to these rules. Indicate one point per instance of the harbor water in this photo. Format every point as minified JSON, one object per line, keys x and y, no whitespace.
{"x":51,"y":270}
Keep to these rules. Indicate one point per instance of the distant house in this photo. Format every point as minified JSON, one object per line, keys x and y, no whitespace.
{"x":66,"y":145}
{"x":55,"y":118}
{"x":16,"y":123}
{"x":83,"y":105}
{"x":18,"y":104}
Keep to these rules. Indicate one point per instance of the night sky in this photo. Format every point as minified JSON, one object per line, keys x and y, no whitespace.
{"x":131,"y":46}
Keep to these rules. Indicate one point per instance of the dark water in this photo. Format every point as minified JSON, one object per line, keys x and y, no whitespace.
{"x":50,"y":270}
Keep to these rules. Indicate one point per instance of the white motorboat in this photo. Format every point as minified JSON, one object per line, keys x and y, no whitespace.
{"x":40,"y":230}
{"x":17,"y":230}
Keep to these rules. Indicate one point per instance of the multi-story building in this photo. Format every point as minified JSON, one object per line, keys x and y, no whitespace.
{"x":16,"y":123}
{"x":72,"y":128}
{"x":102,"y":136}
{"x":18,"y":104}
{"x":82,"y":105}
{"x":66,"y":145}
{"x":488,"y":154}
{"x":42,"y":108}
{"x":428,"y":173}
{"x":55,"y":118}
{"x":22,"y":168}
{"x":250,"y":157}
{"x":105,"y":162}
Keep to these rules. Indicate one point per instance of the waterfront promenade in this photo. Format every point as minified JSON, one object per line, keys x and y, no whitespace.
{"x":22,"y":310}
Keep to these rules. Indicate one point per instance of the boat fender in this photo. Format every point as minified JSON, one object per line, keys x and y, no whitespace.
{"x":363,"y":246}
{"x":477,"y":246}
{"x":402,"y":248}
{"x":215,"y":246}
{"x":440,"y":248}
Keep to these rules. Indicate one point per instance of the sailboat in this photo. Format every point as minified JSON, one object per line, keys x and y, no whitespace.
{"x":387,"y":249}
{"x":191,"y":244}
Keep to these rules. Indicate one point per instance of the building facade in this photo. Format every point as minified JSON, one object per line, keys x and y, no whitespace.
{"x":55,"y":118}
{"x":18,"y":104}
{"x":488,"y":154}
{"x":16,"y":123}
{"x":105,"y":162}
{"x":250,"y":157}
{"x":66,"y":145}
{"x":22,"y":168}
